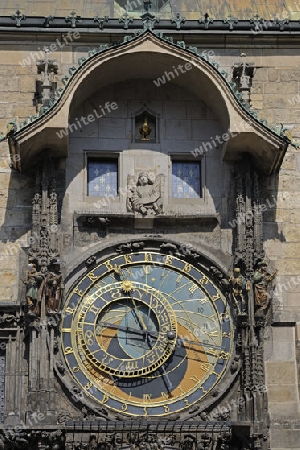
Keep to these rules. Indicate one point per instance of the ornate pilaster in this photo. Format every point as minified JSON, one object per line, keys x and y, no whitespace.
{"x":44,"y":289}
{"x":44,"y":248}
{"x":249,"y":258}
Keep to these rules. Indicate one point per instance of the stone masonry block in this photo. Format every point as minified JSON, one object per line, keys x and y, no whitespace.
{"x":261,"y":74}
{"x":279,"y":373}
{"x":27,"y":84}
{"x":273,"y":74}
{"x":281,"y":88}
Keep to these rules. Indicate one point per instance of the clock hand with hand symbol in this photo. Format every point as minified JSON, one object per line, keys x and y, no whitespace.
{"x":146,"y":334}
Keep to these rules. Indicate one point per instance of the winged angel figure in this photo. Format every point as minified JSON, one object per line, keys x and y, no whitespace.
{"x":145,"y":196}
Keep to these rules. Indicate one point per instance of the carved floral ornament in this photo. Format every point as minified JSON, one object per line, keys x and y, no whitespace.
{"x":231,"y":107}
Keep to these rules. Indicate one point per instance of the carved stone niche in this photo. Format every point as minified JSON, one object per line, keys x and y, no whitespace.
{"x":145,"y":126}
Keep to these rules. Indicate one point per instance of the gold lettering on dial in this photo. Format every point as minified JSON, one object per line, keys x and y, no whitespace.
{"x":193,"y":288}
{"x":116,"y":293}
{"x":131,"y":365}
{"x":224,"y":355}
{"x":109,"y":265}
{"x":164,"y":395}
{"x":169,"y":260}
{"x":205,"y":366}
{"x":204,"y":280}
{"x":68,"y":350}
{"x":187,"y":268}
{"x":89,"y":337}
{"x":178,"y":279}
{"x":147,"y":269}
{"x":78,"y":292}
{"x":148,"y":257}
{"x":213,"y":334}
{"x":92,"y":276}
{"x":146,"y":397}
{"x":128,"y":259}
{"x":195,"y":379}
{"x":105,"y":399}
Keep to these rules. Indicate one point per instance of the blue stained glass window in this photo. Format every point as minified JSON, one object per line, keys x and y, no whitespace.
{"x":186,"y":181}
{"x":102,"y":177}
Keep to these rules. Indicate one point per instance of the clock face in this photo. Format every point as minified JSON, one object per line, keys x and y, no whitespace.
{"x":146,"y":334}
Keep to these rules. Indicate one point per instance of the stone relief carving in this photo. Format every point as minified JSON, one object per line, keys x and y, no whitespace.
{"x":249,"y":256}
{"x":152,"y":441}
{"x":145,"y":196}
{"x":239,"y":288}
{"x":44,"y":286}
{"x":53,"y":289}
{"x":33,"y":283}
{"x":262,"y":280}
{"x":9,"y":319}
{"x":44,"y":248}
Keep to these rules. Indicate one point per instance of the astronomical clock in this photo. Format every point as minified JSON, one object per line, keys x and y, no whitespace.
{"x":146,"y":334}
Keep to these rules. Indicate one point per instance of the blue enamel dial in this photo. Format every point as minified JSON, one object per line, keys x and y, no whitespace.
{"x":146,"y":334}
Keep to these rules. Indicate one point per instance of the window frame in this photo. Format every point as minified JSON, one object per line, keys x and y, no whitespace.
{"x":101,"y":157}
{"x":187,"y":157}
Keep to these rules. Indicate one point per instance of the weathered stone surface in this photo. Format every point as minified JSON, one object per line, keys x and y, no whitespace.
{"x":276,"y":100}
{"x":273,"y":74}
{"x":280,"y":373}
{"x":290,"y":161}
{"x":287,"y":88}
{"x":282,"y":393}
{"x":257,"y":88}
{"x":261,"y":74}
{"x":289,"y":74}
{"x":27,"y":84}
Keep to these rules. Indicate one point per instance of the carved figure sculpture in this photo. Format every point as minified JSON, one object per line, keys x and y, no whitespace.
{"x":239,"y":288}
{"x":261,"y":280}
{"x":145,"y":197}
{"x":188,"y":443}
{"x":205,"y":443}
{"x":53,"y":288}
{"x":33,"y":282}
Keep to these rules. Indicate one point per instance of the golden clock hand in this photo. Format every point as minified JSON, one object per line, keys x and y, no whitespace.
{"x":153,"y":334}
{"x":122,"y":328}
{"x":162,"y":369}
{"x":140,"y":319}
{"x":201,"y":343}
